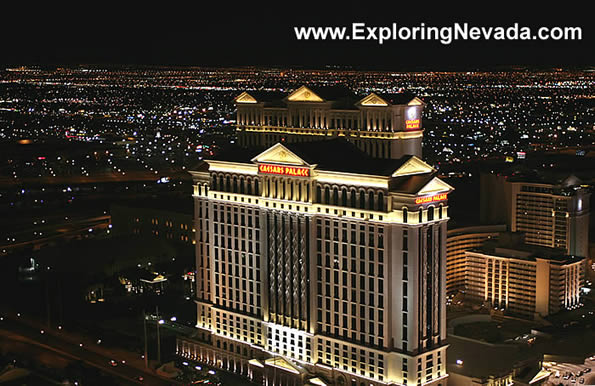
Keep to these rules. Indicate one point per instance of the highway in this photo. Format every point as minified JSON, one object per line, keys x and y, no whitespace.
{"x":52,"y":232}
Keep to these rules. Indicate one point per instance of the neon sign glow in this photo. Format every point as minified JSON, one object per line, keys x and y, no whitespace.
{"x":437,"y":197}
{"x":284,"y":170}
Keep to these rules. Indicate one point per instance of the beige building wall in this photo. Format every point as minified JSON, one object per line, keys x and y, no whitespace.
{"x":542,"y":287}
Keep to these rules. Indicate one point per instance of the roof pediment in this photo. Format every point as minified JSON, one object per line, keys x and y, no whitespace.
{"x":372,"y":100}
{"x":413,"y":166}
{"x":304,"y":94}
{"x":436,"y":185}
{"x":282,"y":364}
{"x":279,"y":154}
{"x":245,"y":98}
{"x":415,"y":102}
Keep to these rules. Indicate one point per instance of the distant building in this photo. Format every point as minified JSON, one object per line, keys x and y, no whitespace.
{"x":382,"y":125}
{"x":551,"y":213}
{"x":458,"y":241}
{"x":518,"y":278}
{"x":150,"y":222}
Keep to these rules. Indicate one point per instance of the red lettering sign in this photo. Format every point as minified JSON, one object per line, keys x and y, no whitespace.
{"x":284,"y":170}
{"x":427,"y":199}
{"x":412,"y":124}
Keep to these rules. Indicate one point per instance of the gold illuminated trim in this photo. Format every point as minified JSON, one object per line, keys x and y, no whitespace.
{"x":281,"y":155}
{"x":413,"y":166}
{"x":415,"y":102}
{"x":395,"y":216}
{"x":282,"y":364}
{"x":543,"y":373}
{"x":373,"y":100}
{"x":256,"y":363}
{"x":232,"y":167}
{"x":304,"y":94}
{"x":333,"y":132}
{"x":436,"y":185}
{"x":245,"y":98}
{"x":317,"y":382}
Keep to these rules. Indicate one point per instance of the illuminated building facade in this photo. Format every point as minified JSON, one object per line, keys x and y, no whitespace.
{"x":459,"y":241}
{"x":524,"y":279}
{"x":552,"y":214}
{"x":319,"y":264}
{"x":383,"y":126}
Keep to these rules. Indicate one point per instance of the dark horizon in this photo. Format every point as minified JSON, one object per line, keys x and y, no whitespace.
{"x":257,"y":35}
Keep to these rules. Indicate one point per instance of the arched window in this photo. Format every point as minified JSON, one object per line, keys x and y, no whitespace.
{"x":318,"y":195}
{"x":221,"y":186}
{"x":291,"y":191}
{"x":235,"y":185}
{"x":249,"y":186}
{"x":440,"y":209}
{"x":362,"y":199}
{"x":327,"y":195}
{"x":256,"y":189}
{"x":199,"y":188}
{"x":214,"y":183}
{"x":371,"y":201}
{"x":242,"y":185}
{"x":430,"y":213}
{"x":268,"y":192}
{"x":335,"y":196}
{"x":227,"y":184}
{"x":276,"y":187}
{"x":206,"y":186}
{"x":421,"y":217}
{"x":353,"y":198}
{"x":404,"y":215}
{"x":344,"y":197}
{"x":299,"y":191}
{"x":381,"y":202}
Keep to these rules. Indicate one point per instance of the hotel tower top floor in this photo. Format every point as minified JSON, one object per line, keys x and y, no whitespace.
{"x":334,"y":174}
{"x":382,"y":125}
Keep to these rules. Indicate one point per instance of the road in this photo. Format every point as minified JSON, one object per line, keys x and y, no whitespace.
{"x":94,"y":355}
{"x":64,"y":231}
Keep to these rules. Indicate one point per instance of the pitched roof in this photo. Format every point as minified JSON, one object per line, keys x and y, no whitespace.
{"x":337,"y":155}
{"x":341,"y":96}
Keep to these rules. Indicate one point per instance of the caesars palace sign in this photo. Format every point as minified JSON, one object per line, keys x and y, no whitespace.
{"x":284,"y":170}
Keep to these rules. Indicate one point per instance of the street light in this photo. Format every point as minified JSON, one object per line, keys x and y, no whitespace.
{"x":145,"y":356}
{"x":161,"y":321}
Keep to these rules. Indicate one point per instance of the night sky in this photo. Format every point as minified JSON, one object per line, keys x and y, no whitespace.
{"x":261,"y":33}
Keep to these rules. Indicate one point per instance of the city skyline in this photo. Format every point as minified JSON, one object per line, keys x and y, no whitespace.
{"x":297,"y":194}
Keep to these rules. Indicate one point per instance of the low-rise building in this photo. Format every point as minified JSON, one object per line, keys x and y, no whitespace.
{"x":458,"y":241}
{"x":524,"y":279}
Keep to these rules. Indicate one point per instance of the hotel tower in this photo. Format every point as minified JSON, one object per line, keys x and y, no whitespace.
{"x":321,"y":262}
